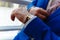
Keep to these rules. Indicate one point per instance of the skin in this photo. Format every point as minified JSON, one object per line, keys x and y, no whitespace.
{"x":20,"y":16}
{"x":54,"y":5}
{"x":39,"y":12}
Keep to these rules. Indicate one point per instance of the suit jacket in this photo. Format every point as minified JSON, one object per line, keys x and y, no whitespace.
{"x":39,"y":30}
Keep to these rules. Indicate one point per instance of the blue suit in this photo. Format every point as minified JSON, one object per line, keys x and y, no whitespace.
{"x":39,"y":30}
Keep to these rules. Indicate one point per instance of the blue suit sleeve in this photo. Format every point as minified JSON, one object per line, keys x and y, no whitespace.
{"x":38,"y":3}
{"x":33,"y":3}
{"x":38,"y":30}
{"x":21,"y":36}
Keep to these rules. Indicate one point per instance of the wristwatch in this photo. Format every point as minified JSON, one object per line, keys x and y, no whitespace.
{"x":27,"y":18}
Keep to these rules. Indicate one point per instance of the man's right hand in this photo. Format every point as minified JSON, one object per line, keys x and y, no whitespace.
{"x":41,"y":13}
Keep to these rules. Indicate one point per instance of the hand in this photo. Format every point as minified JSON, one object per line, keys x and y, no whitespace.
{"x":19,"y":15}
{"x":41,"y":13}
{"x":53,"y":7}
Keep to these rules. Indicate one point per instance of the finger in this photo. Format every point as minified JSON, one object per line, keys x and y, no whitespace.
{"x":41,"y":16}
{"x":43,"y":12}
{"x":20,"y":17}
{"x":12,"y":17}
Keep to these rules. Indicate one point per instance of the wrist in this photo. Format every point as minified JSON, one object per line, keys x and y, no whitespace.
{"x":27,"y":19}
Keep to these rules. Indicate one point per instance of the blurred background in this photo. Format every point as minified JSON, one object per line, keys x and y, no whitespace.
{"x":8,"y":28}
